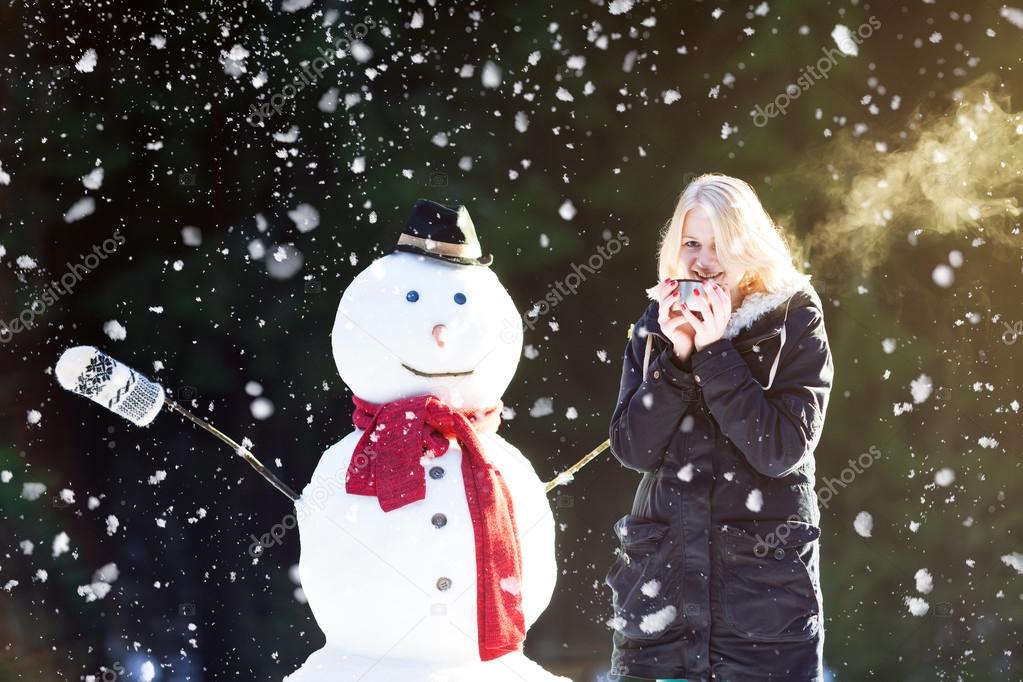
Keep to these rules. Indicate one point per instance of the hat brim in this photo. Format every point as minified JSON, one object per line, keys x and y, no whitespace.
{"x":485,"y":261}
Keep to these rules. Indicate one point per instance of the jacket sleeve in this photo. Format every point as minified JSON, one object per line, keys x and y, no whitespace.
{"x":777,"y":429}
{"x":649,"y":412}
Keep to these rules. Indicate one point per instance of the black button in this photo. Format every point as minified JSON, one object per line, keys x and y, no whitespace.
{"x":439,"y":520}
{"x":436,"y":472}
{"x":779,"y":554}
{"x":443,"y":584}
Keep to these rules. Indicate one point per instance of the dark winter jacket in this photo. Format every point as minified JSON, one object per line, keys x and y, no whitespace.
{"x":717,"y":575}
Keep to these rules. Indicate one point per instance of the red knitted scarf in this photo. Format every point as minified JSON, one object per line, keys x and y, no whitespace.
{"x":387,"y":463}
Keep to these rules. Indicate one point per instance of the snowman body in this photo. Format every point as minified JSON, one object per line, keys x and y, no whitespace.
{"x":395,"y":592}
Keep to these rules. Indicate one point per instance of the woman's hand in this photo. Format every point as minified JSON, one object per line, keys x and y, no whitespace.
{"x":715,"y":304}
{"x":673,"y":324}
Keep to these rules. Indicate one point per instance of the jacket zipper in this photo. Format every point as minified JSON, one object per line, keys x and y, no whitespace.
{"x":747,"y":346}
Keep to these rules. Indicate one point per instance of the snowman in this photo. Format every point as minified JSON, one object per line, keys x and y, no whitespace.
{"x":427,"y":539}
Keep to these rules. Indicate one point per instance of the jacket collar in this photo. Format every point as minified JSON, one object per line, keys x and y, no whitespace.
{"x":757,"y":310}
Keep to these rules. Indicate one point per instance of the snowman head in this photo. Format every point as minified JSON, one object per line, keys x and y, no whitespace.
{"x":411,"y":325}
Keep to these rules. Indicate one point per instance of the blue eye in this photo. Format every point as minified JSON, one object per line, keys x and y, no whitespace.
{"x":412,"y":296}
{"x":460,"y":298}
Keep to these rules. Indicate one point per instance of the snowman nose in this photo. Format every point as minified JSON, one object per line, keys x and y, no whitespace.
{"x":440,"y":334}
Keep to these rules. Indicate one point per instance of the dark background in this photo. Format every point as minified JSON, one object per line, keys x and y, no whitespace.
{"x":189,"y":597}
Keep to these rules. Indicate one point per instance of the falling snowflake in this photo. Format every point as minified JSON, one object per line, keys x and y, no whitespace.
{"x":658,"y":621}
{"x":115,"y":330}
{"x":651,"y":588}
{"x":85,"y":206}
{"x":1014,"y":560}
{"x":844,"y":40}
{"x":542,"y":407}
{"x":491,"y":76}
{"x":620,"y":6}
{"x":567,"y":210}
{"x":864,"y":524}
{"x":233,"y":60}
{"x":87,"y":63}
{"x":305,"y":216}
{"x":917,"y":606}
{"x":921,"y":388}
{"x":924,"y":581}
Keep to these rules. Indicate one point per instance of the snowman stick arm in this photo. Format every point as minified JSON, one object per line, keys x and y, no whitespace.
{"x":239,"y":450}
{"x":566,"y":476}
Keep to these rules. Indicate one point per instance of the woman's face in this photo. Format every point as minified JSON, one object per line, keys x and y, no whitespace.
{"x":700,"y":258}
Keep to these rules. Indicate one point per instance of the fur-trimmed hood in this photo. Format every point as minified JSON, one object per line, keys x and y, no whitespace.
{"x":757,"y":313}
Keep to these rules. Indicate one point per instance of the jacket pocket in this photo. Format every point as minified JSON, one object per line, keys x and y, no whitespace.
{"x":645,"y":580}
{"x":770,"y":588}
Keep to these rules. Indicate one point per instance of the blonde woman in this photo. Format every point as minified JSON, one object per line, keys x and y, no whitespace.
{"x":718,"y":572}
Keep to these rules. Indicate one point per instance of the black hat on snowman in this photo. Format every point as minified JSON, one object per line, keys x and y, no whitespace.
{"x":443,"y":232}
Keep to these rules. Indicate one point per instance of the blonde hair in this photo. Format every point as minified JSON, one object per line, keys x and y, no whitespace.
{"x":745,"y":237}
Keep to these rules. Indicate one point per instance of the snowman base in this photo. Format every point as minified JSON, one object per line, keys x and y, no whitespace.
{"x":331,"y":664}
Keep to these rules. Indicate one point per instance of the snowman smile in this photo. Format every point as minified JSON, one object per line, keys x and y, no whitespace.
{"x":421,"y":373}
